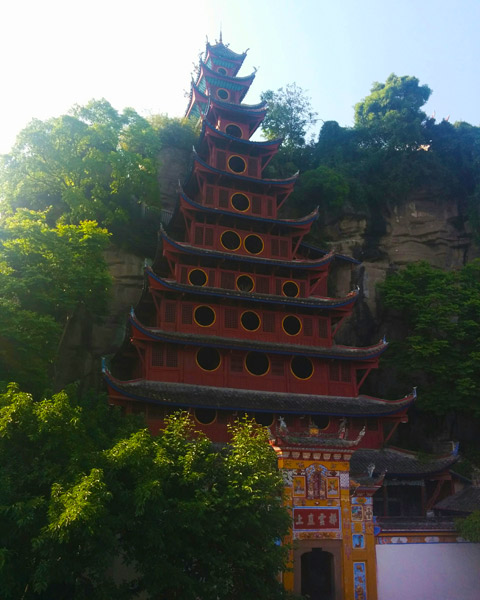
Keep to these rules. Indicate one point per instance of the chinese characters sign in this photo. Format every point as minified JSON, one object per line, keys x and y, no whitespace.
{"x":310,"y":518}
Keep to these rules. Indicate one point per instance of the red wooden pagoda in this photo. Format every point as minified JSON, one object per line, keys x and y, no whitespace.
{"x":236,"y":319}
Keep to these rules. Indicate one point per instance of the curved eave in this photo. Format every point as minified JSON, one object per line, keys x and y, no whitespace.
{"x":195,"y":96}
{"x":396,"y":463}
{"x":190,"y":339}
{"x":337,"y":256}
{"x":267,"y":147}
{"x":289,"y":183}
{"x":254,"y":109}
{"x":293,"y":264}
{"x":320,"y":303}
{"x":178,"y":395}
{"x":223,"y":51}
{"x":185,"y":201}
{"x":206,"y":71}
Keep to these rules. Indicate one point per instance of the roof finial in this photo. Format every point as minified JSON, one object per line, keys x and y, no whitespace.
{"x":221,"y":41}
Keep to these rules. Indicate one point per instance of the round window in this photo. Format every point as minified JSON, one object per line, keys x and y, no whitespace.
{"x":320,"y":421}
{"x":240,"y":202}
{"x":223,"y":94}
{"x":230,"y":240}
{"x":290,"y":289}
{"x":208,"y":359}
{"x":257,"y":363}
{"x":253,"y":244}
{"x":250,"y":320}
{"x":197,"y":277}
{"x":237,"y":164}
{"x":205,"y":415}
{"x":204,"y":316}
{"x":222,"y":70}
{"x":302,"y":367}
{"x":291,"y":325}
{"x":233,"y":130}
{"x":244,"y":283}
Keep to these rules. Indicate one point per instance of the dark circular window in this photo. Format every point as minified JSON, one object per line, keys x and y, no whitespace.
{"x":205,"y":415}
{"x":197,"y":277}
{"x":234,"y":131}
{"x":244,"y":283}
{"x":208,"y":359}
{"x":290,"y":289}
{"x":230,"y":240}
{"x":253,"y":244}
{"x":222,"y":70}
{"x":321,"y":421}
{"x":237,"y":164}
{"x":204,"y":316}
{"x":302,"y":367}
{"x":257,"y":363}
{"x":240,"y":202}
{"x":265,"y":419}
{"x":292,"y":325}
{"x":250,"y":320}
{"x":223,"y":94}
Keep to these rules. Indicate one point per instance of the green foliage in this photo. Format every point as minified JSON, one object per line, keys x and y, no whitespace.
{"x":82,"y":489}
{"x":391,"y":117}
{"x":469,"y":528}
{"x":440,"y":312}
{"x":44,"y":273}
{"x":93,"y":164}
{"x":289,"y":116}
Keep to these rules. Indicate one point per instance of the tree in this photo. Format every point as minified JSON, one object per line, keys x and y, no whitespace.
{"x":391,"y":115}
{"x":469,"y":528}
{"x":94,"y":164}
{"x":45,"y":272}
{"x":83,"y":489}
{"x":440,"y":314}
{"x":289,"y":116}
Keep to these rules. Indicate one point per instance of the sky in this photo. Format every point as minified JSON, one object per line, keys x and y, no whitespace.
{"x":56,"y":54}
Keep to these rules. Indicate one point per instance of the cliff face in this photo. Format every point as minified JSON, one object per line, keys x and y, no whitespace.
{"x":424,"y":228}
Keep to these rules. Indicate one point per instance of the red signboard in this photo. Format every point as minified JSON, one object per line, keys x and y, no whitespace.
{"x":311,"y":518}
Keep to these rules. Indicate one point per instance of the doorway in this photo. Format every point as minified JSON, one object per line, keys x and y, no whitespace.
{"x":317,"y":575}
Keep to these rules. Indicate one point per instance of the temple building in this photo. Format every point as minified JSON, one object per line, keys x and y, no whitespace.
{"x":236,"y":318}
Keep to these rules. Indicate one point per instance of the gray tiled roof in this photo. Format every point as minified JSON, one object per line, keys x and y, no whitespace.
{"x":465,"y":501}
{"x":180,"y":394}
{"x":410,"y":524}
{"x":398,"y":463}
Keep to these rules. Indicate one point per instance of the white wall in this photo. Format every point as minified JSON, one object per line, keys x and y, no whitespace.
{"x":428,"y":571}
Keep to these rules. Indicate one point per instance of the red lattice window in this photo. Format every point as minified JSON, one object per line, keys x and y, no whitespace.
{"x":269,"y":207}
{"x":187,"y":314}
{"x":209,"y":195}
{"x":157,"y":355}
{"x":236,"y":363}
{"x":274,"y":247}
{"x":198,"y":239}
{"x":227,"y":280}
{"x":268,"y":323}
{"x":170,"y":313}
{"x":171,"y":358}
{"x":221,"y":161}
{"x":231,"y":318}
{"x":209,"y":236}
{"x":263,"y":285}
{"x":284,"y":247}
{"x":256,"y":205}
{"x":223,"y":198}
{"x":346,"y":372}
{"x":252,"y":167}
{"x":323,"y":328}
{"x":277,"y":366}
{"x":335,"y":371}
{"x":307,"y":326}
{"x":183,"y":275}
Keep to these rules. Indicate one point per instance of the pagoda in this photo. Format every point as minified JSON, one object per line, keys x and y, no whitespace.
{"x":235,"y":318}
